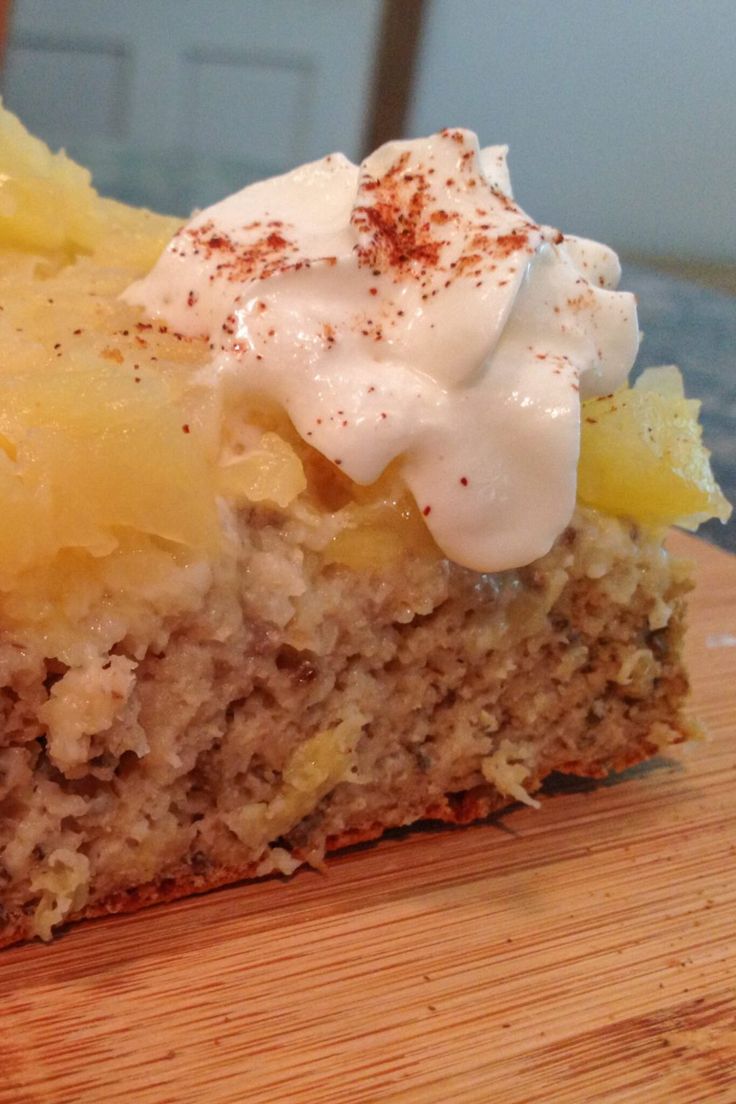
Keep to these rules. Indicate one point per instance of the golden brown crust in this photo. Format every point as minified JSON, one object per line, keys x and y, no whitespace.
{"x":457,"y":808}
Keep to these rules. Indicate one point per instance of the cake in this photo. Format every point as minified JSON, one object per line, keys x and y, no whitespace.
{"x":296,"y":543}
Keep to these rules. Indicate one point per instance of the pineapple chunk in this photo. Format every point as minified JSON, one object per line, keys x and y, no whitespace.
{"x":271,"y":472}
{"x":382,"y":524}
{"x":642,"y":455}
{"x":48,"y":206}
{"x":101,"y":443}
{"x":132,"y":237}
{"x":87,"y":452}
{"x":47,"y":202}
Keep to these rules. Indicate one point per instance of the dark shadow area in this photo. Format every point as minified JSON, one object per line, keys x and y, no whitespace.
{"x":558,"y":783}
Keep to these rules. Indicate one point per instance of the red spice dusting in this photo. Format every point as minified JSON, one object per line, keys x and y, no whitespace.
{"x":373,"y":291}
{"x":77,"y":332}
{"x":427,"y":511}
{"x":185,"y":428}
{"x":468,"y":260}
{"x":579,"y":302}
{"x":238,"y":262}
{"x":464,"y":480}
{"x":192,"y":298}
{"x":507,"y":244}
{"x":394,"y":223}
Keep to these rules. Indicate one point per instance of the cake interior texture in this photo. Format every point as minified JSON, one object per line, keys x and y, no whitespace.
{"x":297,"y":706}
{"x":219,"y":658}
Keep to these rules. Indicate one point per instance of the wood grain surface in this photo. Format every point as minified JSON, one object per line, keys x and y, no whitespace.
{"x":583,"y":953}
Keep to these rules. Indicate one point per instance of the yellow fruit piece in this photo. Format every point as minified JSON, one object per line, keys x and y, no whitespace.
{"x":48,"y":206}
{"x":132,"y":237}
{"x":88,"y":452}
{"x":47,"y":202}
{"x":94,"y":454}
{"x":271,"y":472}
{"x":382,"y":524}
{"x":642,"y":455}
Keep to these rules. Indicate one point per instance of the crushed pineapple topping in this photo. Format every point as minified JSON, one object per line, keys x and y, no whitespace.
{"x":115,"y":446}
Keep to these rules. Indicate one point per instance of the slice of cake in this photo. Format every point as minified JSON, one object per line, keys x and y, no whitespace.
{"x":290,"y":549}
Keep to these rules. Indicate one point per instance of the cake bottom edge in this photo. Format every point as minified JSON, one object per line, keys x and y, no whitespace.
{"x":461,"y":808}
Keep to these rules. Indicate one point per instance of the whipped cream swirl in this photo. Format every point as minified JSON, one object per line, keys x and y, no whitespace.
{"x":408,"y":310}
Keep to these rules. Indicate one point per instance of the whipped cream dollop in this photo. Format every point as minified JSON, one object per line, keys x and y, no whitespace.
{"x":408,"y":310}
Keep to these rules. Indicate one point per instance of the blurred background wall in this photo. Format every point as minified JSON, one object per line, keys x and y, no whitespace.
{"x":175,"y":103}
{"x":620,"y":114}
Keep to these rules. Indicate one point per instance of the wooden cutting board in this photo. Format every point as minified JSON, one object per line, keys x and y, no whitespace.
{"x":585,"y":952}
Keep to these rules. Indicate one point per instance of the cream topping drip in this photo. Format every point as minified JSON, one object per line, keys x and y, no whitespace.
{"x":409,"y":310}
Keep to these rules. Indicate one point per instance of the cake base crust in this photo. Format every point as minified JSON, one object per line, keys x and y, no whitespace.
{"x":455,"y":809}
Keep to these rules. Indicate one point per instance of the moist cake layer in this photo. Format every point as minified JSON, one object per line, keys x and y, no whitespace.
{"x":242,"y":744}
